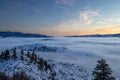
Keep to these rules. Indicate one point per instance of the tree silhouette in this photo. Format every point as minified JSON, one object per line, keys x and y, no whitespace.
{"x":102,"y":71}
{"x":22,"y":52}
{"x":28,"y":54}
{"x":7,"y":54}
{"x":16,"y":76}
{"x":22,"y":58}
{"x":14,"y":54}
{"x":3,"y":76}
{"x":20,"y":76}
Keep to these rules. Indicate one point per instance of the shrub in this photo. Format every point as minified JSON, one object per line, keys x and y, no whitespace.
{"x":20,"y":76}
{"x":3,"y":76}
{"x":17,"y":76}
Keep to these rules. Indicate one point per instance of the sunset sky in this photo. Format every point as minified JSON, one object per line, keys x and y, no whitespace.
{"x":60,"y":17}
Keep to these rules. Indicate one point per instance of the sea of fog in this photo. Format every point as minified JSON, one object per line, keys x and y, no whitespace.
{"x":83,"y":51}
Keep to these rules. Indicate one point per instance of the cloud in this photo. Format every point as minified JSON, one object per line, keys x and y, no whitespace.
{"x":109,"y":21}
{"x":65,"y":2}
{"x":87,"y":16}
{"x":76,"y":26}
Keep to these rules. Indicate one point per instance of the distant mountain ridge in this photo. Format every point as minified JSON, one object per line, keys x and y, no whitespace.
{"x":20,"y":34}
{"x":97,"y":35}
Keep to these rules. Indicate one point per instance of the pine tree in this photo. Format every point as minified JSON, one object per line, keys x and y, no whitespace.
{"x":14,"y":54}
{"x":3,"y":76}
{"x":28,"y":54}
{"x":53,"y":75}
{"x":14,"y":50}
{"x":1,"y":56}
{"x":102,"y":71}
{"x":7,"y":54}
{"x":33,"y":58}
{"x":22,"y":52}
{"x":40,"y":63}
{"x":20,"y":76}
{"x":22,"y":58}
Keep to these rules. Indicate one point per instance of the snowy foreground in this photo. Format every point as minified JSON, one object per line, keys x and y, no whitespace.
{"x":71,"y":58}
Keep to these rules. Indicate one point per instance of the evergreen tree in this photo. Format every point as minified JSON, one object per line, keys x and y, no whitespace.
{"x":49,"y":67}
{"x":14,"y":54}
{"x":20,"y":76}
{"x":102,"y":71}
{"x":1,"y":55}
{"x":40,"y":63}
{"x":28,"y":54}
{"x":14,"y":50}
{"x":3,"y":76}
{"x":16,"y":76}
{"x":22,"y":58}
{"x":53,"y":75}
{"x":7,"y":54}
{"x":33,"y":58}
{"x":22,"y":52}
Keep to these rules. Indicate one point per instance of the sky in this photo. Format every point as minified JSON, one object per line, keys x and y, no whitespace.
{"x":60,"y":17}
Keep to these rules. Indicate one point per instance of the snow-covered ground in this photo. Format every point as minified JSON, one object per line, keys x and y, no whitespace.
{"x":82,"y":51}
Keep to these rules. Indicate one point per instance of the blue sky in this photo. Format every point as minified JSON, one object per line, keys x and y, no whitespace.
{"x":60,"y":17}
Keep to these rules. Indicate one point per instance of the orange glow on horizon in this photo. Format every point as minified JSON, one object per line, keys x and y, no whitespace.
{"x":71,"y":32}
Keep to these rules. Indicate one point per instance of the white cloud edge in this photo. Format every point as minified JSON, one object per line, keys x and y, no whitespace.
{"x":87,"y":16}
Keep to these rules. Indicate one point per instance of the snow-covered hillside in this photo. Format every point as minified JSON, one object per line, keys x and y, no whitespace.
{"x":65,"y":53}
{"x":38,"y":68}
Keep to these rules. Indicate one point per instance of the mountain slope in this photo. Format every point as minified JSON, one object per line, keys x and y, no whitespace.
{"x":98,"y":35}
{"x":20,"y":34}
{"x":37,"y":68}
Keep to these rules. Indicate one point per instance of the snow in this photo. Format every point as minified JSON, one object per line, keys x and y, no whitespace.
{"x":64,"y":71}
{"x":80,"y":51}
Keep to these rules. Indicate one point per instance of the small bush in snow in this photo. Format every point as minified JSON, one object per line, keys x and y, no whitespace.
{"x":20,"y":76}
{"x":15,"y":76}
{"x":3,"y":76}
